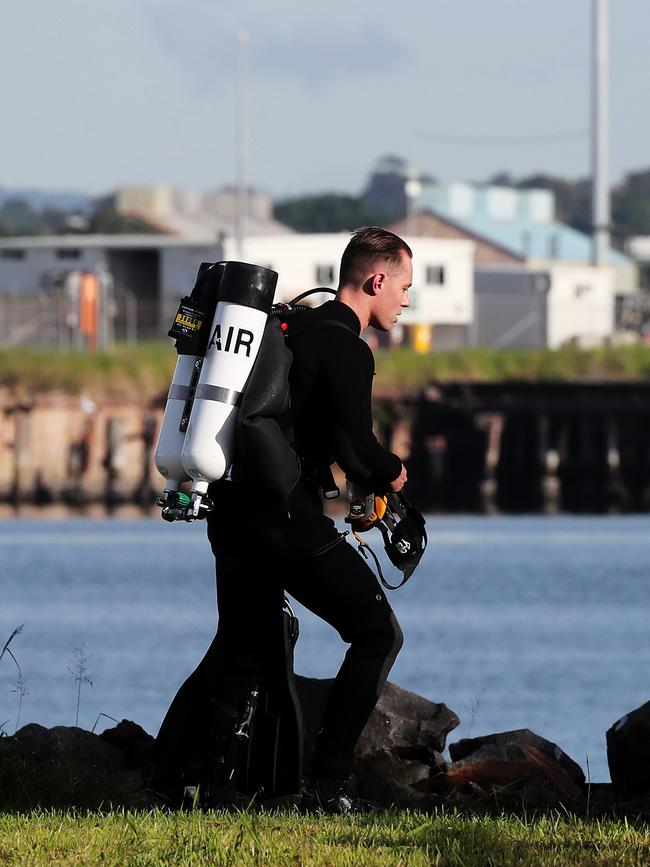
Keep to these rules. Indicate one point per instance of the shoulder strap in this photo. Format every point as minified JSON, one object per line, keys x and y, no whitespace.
{"x":308,"y":326}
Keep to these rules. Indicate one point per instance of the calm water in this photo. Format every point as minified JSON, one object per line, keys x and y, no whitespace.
{"x":512,"y":622}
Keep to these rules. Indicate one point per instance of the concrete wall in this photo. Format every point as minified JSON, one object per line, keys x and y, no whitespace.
{"x":29,"y":273}
{"x":580,"y":305}
{"x":546,"y":307}
{"x":450,"y":302}
{"x":60,"y":448}
{"x":510,"y":307}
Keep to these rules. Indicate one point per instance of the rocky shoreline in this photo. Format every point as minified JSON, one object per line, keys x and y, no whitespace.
{"x":399,"y":763}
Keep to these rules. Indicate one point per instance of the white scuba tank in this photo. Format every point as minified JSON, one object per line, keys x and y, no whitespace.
{"x":191,"y":329}
{"x":172,"y":433}
{"x":244,"y":301}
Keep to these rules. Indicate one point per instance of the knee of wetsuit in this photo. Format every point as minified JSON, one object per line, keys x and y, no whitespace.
{"x":382,"y":636}
{"x":397,"y":637}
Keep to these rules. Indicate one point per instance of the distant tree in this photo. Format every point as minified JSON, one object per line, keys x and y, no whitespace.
{"x":327,"y":212}
{"x":107,"y":221}
{"x":55,"y":220}
{"x":502,"y":179}
{"x":5,"y":228}
{"x":631,"y":206}
{"x":21,"y":218}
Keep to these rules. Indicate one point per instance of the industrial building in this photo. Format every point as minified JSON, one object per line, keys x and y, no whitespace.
{"x":147,"y":272}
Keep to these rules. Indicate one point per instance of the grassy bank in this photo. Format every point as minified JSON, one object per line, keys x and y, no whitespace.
{"x":144,"y":371}
{"x":141,"y":371}
{"x":402,"y":368}
{"x":396,"y":839}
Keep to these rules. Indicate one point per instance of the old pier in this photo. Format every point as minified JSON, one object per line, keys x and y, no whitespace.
{"x":522,"y":447}
{"x":470,"y":447}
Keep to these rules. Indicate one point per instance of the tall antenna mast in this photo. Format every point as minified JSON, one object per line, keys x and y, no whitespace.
{"x":242,"y":140}
{"x":599,"y":132}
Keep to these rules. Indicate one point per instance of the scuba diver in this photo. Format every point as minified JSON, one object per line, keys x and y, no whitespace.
{"x":264,"y":547}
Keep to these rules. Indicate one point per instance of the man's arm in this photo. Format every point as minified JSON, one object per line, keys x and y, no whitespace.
{"x":347,"y":369}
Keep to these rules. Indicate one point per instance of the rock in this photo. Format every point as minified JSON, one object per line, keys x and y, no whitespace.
{"x":402,"y":722}
{"x":465,"y":747}
{"x":514,"y":760}
{"x":406,"y":724}
{"x":136,"y":745}
{"x":65,"y":767}
{"x":399,"y":749}
{"x":385,"y":779}
{"x":628,"y":751}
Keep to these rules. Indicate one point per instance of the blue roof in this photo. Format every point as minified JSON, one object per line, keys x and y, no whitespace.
{"x":523,"y":236}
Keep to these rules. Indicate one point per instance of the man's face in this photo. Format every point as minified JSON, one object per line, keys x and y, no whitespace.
{"x":389,"y":301}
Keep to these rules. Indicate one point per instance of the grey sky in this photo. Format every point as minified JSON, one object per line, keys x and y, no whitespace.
{"x":96,"y":94}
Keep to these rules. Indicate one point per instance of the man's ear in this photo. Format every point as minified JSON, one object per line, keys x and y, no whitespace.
{"x":377,"y":282}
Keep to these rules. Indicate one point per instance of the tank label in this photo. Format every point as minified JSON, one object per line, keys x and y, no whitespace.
{"x":192,"y":323}
{"x":188,"y":320}
{"x":234,"y":340}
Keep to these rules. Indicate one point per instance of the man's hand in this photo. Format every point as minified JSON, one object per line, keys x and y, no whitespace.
{"x":398,"y":483}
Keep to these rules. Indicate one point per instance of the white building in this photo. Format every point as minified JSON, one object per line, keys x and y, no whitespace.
{"x":442,"y":295}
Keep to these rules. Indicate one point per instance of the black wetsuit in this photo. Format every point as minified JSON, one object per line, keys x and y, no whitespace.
{"x":264,"y":548}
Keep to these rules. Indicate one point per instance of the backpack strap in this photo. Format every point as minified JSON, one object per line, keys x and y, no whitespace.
{"x":314,"y":326}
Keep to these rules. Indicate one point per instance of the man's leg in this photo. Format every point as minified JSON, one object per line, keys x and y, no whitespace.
{"x":247,"y":645}
{"x":340,"y":588}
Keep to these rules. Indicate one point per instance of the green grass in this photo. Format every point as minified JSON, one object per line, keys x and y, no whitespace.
{"x":402,"y":368}
{"x":126,"y":372}
{"x":159,"y":838}
{"x":144,"y":371}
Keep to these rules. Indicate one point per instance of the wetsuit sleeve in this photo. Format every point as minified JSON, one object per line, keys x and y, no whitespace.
{"x":348,"y":369}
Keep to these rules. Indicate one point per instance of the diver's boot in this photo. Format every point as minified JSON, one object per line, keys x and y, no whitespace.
{"x":218,"y":788}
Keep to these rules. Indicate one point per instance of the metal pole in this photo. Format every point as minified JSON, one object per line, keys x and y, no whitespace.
{"x":412,"y":189}
{"x":242,"y":143}
{"x":600,"y":119}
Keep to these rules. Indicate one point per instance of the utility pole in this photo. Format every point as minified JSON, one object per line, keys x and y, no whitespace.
{"x":599,"y":133}
{"x":242,"y":140}
{"x":412,"y":189}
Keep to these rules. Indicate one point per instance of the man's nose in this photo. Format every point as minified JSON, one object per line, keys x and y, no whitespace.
{"x":406,"y":301}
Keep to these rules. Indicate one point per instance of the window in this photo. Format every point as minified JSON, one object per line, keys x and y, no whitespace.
{"x":68,"y":253}
{"x":324,"y":275}
{"x":581,"y":290}
{"x":434,"y":275}
{"x":13,"y":254}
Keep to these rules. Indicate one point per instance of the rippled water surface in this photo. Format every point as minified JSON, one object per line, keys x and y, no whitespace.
{"x":512,"y":622}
